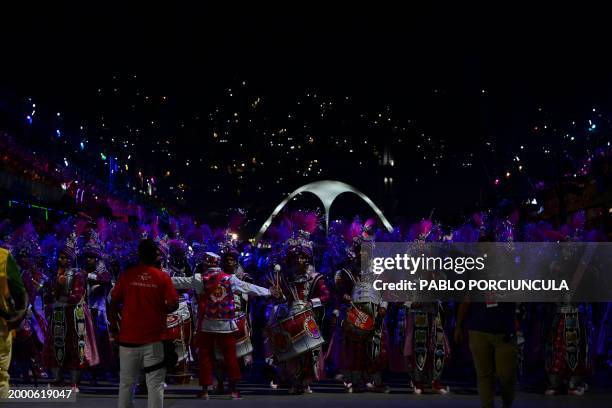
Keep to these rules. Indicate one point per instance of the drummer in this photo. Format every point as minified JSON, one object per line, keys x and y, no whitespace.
{"x":301,"y":286}
{"x":363,"y":351}
{"x":216,"y":318}
{"x":175,"y":254}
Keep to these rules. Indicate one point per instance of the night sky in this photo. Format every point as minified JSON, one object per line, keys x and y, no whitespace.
{"x":209,"y":102}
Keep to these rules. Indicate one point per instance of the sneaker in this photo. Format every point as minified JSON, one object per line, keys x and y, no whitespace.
{"x":577,"y":391}
{"x":550,"y":392}
{"x":273,"y":385}
{"x":203,"y":395}
{"x":236,"y":395}
{"x":308,"y":390}
{"x":418,"y":388}
{"x":348,"y":387}
{"x":74,"y":388}
{"x":439,"y":388}
{"x":38,"y":372}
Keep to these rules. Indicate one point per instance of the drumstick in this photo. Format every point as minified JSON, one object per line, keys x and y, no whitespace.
{"x":359,"y":312}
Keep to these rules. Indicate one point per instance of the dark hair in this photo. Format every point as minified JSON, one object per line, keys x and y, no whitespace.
{"x":147,"y":251}
{"x":233,"y":255}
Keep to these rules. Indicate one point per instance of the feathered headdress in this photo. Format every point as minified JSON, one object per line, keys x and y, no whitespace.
{"x":289,"y":224}
{"x":211,"y":260}
{"x":24,"y":242}
{"x":163,"y":247}
{"x":236,"y":219}
{"x":306,"y":221}
{"x":177,"y":249}
{"x":421,"y":230}
{"x":70,"y":247}
{"x":357,"y":234}
{"x":93,"y":246}
{"x":300,"y":243}
{"x":228,"y":246}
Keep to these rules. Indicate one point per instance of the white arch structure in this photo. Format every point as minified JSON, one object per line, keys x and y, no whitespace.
{"x":326,"y":191}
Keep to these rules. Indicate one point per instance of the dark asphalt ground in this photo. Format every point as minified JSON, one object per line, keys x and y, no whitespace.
{"x":330,"y":394}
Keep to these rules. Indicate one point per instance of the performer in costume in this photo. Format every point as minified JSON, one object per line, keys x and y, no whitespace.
{"x":180,"y":322}
{"x":30,"y":335}
{"x":70,"y":343}
{"x":426,"y":345}
{"x":230,"y":262}
{"x":178,"y":262}
{"x":217,"y":319}
{"x":98,"y":288}
{"x":305,"y":295}
{"x":270,"y":263}
{"x":363,"y":354}
{"x":569,"y":349}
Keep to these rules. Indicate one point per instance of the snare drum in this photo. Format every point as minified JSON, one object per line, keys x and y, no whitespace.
{"x":175,"y":320}
{"x":359,"y":322}
{"x":295,"y":335}
{"x":243,"y":338}
{"x":178,"y":329}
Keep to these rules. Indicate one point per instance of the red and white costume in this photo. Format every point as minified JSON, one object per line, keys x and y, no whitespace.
{"x":216,"y":318}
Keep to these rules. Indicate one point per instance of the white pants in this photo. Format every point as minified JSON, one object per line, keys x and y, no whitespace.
{"x":132,"y":360}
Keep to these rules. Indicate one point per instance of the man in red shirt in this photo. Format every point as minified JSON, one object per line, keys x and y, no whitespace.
{"x":147,"y":295}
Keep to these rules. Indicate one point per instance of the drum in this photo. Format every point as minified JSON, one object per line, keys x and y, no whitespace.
{"x":295,"y":335}
{"x":243,"y":338}
{"x":175,"y":322}
{"x":359,"y":322}
{"x":178,"y":329}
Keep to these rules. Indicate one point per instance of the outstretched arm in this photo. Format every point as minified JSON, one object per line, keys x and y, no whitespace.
{"x":192,"y":282}
{"x":248,"y":288}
